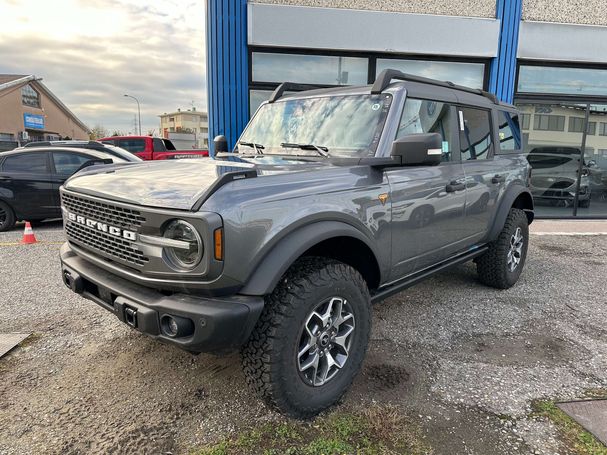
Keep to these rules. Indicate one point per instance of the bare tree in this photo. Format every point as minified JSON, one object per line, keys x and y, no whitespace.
{"x":97,"y":132}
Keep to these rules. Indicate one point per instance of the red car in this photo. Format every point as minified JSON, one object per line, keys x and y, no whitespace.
{"x":152,"y":148}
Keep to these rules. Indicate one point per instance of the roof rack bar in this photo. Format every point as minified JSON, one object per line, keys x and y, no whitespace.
{"x":290,"y":87}
{"x":386,"y":76}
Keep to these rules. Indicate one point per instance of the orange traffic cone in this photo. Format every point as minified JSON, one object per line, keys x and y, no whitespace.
{"x":28,"y":234}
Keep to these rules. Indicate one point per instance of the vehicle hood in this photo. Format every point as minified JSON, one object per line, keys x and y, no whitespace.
{"x":178,"y":184}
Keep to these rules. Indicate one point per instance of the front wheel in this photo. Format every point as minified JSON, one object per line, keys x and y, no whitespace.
{"x":501,"y":266}
{"x":7,"y":217}
{"x":311,"y":338}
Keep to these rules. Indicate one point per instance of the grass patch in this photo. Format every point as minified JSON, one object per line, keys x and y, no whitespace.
{"x":375,"y":431}
{"x":573,"y":435}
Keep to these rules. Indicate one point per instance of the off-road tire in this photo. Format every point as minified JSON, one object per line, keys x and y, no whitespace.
{"x":492,"y":267}
{"x":269,"y":358}
{"x":8,"y":221}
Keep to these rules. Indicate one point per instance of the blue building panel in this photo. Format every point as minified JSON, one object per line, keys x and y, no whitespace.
{"x":227,"y":69}
{"x":503,"y":67}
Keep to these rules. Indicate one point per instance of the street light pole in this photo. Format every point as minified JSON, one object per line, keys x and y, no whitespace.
{"x":138,"y":111}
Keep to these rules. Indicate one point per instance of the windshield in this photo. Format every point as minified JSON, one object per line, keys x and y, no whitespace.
{"x":348,"y":125}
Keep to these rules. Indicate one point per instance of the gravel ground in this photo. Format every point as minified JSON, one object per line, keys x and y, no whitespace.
{"x":463,"y":360}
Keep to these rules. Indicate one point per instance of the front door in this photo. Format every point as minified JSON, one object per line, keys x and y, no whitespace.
{"x":428,"y":202}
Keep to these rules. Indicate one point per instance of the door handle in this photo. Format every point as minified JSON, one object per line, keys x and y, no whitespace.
{"x":498,"y":179}
{"x":455,"y":186}
{"x":5,"y":179}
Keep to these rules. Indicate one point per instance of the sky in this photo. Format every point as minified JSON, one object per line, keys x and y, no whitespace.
{"x":90,"y":53}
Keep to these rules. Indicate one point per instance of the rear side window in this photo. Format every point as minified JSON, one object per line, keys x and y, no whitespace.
{"x":32,"y":163}
{"x":474,"y":133}
{"x":132,"y":145}
{"x":426,"y":116}
{"x":509,"y":131}
{"x":67,"y":163}
{"x":159,"y":145}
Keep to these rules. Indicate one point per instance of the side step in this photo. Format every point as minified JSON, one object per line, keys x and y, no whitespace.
{"x":400,"y":285}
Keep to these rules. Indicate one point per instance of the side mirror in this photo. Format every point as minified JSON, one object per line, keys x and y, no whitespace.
{"x":220,"y":144}
{"x":424,"y":149}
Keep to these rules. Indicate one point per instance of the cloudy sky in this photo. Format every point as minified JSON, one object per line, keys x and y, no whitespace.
{"x":91,"y":52}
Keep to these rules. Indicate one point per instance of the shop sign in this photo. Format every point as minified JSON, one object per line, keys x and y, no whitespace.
{"x":33,"y":121}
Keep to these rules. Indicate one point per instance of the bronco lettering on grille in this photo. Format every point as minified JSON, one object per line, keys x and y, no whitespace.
{"x":103,"y":227}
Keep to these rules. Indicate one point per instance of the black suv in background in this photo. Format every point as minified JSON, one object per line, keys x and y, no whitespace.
{"x":30,"y":178}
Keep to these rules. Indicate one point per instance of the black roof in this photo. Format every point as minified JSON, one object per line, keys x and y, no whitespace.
{"x":385,"y":80}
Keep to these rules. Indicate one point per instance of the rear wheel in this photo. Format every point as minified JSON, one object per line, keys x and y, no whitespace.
{"x":311,"y":338}
{"x":501,"y":266}
{"x":7,"y":217}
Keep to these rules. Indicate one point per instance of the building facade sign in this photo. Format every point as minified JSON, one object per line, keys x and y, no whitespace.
{"x":33,"y":121}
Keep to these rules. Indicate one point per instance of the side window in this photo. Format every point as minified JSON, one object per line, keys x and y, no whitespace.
{"x":509,"y":131}
{"x":132,"y":145}
{"x":32,"y":163}
{"x":159,"y":145}
{"x":426,"y":116}
{"x":474,"y":133}
{"x":67,"y":163}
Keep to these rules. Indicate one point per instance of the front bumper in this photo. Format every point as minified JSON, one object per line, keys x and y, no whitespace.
{"x":207,"y":324}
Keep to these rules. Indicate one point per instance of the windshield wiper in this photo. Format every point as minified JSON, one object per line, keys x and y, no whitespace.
{"x":257,"y":147}
{"x":322,"y":151}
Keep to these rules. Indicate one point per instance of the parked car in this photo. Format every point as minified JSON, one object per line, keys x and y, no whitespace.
{"x":92,"y":145}
{"x":554,"y":176}
{"x":153,"y":148}
{"x":281,"y":248}
{"x":30,"y":179}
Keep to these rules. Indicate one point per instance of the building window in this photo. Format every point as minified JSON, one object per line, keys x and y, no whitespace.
{"x":171,"y":119}
{"x":526,"y":121}
{"x":546,"y":122}
{"x":576,"y":125}
{"x":461,"y":73}
{"x":561,"y":80}
{"x":269,"y":69}
{"x":29,"y":96}
{"x":602,"y":129}
{"x":309,"y":69}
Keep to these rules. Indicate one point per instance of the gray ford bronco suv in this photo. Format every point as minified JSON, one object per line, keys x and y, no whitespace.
{"x":333,"y":199}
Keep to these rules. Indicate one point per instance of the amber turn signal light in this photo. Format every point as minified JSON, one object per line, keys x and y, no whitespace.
{"x":218,"y":237}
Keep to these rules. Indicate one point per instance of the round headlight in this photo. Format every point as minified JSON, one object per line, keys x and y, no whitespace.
{"x":186,"y":257}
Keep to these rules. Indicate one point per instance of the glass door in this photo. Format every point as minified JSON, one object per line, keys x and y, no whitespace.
{"x":552,"y":140}
{"x":594,"y":167}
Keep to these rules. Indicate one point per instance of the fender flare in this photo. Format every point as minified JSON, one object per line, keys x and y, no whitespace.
{"x":512,"y":193}
{"x":288,"y":249}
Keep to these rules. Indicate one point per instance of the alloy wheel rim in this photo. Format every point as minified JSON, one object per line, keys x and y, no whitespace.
{"x":325,"y":342}
{"x":515,"y":253}
{"x":2,"y":216}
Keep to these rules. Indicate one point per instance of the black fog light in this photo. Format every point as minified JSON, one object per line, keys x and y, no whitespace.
{"x":176,"y":326}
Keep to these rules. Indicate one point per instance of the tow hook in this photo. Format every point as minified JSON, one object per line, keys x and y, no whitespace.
{"x":74,"y":282}
{"x":130,"y":316}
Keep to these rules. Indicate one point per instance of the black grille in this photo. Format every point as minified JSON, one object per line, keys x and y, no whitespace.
{"x":101,"y":211}
{"x":98,"y":240}
{"x":106,"y":243}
